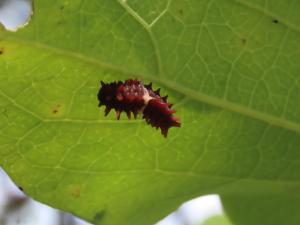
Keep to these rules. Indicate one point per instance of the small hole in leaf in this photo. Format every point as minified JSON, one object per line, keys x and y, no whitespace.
{"x":15,"y":14}
{"x":275,"y":21}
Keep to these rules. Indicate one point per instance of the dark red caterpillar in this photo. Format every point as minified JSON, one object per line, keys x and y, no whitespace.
{"x":132,"y":96}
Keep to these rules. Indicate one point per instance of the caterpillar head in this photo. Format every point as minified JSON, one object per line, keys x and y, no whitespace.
{"x":107,"y":93}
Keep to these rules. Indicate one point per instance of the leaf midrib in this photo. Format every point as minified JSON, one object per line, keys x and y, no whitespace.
{"x":192,"y":94}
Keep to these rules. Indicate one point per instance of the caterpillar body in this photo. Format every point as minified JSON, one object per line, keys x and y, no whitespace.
{"x":133,"y":97}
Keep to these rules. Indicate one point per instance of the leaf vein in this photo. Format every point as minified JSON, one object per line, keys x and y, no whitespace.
{"x":193,"y":94}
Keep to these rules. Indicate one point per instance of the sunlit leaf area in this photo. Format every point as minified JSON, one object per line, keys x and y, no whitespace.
{"x":231,"y":69}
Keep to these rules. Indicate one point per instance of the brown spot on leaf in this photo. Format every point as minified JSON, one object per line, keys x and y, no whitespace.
{"x":244,"y":41}
{"x":75,"y":192}
{"x":180,"y":12}
{"x":56,"y":109}
{"x":1,"y":51}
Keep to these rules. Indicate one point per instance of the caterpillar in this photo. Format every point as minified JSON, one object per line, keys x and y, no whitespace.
{"x":133,"y":97}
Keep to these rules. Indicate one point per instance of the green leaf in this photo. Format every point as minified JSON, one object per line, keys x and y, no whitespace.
{"x":232,"y":68}
{"x":267,"y":208}
{"x":217,"y":220}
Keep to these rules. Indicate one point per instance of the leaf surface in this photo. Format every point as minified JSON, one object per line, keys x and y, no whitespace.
{"x":232,"y":68}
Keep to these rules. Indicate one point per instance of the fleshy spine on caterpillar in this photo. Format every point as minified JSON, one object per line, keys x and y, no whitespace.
{"x":132,"y":96}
